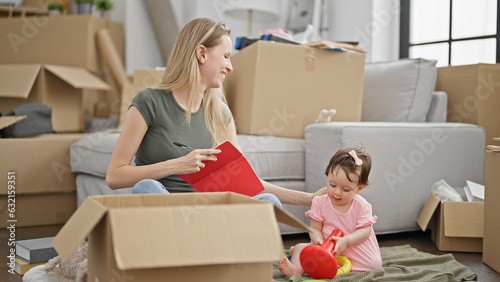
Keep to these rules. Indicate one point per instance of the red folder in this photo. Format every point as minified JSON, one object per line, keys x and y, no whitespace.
{"x":231,"y":172}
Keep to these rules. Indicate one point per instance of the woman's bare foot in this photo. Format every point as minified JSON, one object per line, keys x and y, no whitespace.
{"x":287,"y":268}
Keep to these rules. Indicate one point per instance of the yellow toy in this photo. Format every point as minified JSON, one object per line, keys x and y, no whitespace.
{"x":345,"y":264}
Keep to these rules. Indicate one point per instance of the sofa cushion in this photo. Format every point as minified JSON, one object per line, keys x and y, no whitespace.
{"x":91,"y":154}
{"x":274,"y":158}
{"x":398,"y":91}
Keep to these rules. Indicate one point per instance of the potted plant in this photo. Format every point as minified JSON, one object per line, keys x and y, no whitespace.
{"x":84,"y":6}
{"x":104,"y":6}
{"x":55,"y":8}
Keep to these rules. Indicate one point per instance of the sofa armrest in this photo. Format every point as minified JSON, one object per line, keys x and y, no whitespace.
{"x":407,"y":159}
{"x":438,"y":108}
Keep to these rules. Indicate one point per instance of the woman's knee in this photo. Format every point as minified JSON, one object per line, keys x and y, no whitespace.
{"x":149,"y":186}
{"x":268,"y":197}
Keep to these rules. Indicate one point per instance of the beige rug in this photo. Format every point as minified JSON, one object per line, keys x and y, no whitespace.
{"x":401,"y":263}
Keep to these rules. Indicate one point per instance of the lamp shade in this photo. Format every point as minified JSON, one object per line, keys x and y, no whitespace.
{"x":261,"y":10}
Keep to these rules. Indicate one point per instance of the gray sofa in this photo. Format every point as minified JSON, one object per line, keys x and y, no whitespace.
{"x":274,"y":159}
{"x":403,"y":128}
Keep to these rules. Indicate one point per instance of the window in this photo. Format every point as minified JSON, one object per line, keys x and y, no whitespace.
{"x":453,"y":32}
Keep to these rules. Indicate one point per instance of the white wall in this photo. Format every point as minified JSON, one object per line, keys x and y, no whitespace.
{"x":141,"y":47}
{"x":191,"y":9}
{"x":374,"y":24}
{"x":385,"y":30}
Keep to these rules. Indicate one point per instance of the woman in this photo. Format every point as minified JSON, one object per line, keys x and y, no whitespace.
{"x":189,"y":108}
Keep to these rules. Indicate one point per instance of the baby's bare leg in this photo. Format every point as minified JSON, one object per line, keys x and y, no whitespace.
{"x":289,"y":267}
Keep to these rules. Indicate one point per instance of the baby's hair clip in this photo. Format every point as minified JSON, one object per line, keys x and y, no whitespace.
{"x":357,"y":161}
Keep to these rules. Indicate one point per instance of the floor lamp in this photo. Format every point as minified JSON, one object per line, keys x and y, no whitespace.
{"x":253,"y":10}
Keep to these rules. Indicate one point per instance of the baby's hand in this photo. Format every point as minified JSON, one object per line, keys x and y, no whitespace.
{"x":340,"y":244}
{"x":316,"y":237}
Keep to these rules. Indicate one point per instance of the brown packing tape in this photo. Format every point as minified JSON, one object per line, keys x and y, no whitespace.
{"x":111,"y":58}
{"x":493,"y":148}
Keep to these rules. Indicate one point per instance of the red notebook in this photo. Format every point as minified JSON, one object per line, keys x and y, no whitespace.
{"x":231,"y":172}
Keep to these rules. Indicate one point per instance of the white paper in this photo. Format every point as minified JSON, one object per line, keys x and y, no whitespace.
{"x":474,"y":192}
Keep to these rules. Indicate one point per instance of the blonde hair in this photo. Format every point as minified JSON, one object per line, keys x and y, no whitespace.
{"x":183,"y":69}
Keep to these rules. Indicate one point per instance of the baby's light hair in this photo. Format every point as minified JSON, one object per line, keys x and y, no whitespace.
{"x":343,"y":160}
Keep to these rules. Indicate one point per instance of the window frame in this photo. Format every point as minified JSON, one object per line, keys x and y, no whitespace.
{"x":404,"y":36}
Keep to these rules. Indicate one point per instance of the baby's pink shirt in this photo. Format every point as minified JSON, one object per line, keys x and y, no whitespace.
{"x":364,"y":256}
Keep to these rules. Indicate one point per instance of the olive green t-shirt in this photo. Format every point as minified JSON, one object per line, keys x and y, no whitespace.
{"x":167,"y":124}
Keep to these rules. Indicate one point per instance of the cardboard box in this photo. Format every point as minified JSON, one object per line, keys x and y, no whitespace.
{"x":6,"y":121}
{"x":40,"y":164}
{"x":38,"y":209}
{"x":491,"y":247}
{"x":473,"y":95}
{"x":457,"y":226}
{"x":142,"y":79}
{"x":68,"y":40}
{"x":40,"y":188}
{"x":58,"y":87}
{"x":278,"y":89}
{"x":62,"y":40}
{"x":185,"y":237}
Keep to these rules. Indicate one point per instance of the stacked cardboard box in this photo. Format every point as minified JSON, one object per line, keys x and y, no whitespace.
{"x":38,"y":185}
{"x":52,"y":60}
{"x":63,"y":41}
{"x":278,"y":89}
{"x":473,"y":95}
{"x":491,"y":248}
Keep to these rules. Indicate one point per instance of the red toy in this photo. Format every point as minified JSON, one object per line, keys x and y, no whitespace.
{"x":319,"y":261}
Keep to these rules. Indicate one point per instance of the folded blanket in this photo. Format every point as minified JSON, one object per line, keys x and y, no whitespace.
{"x":401,"y":263}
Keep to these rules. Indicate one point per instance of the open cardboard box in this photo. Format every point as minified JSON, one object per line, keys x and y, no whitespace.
{"x":491,"y":247}
{"x":68,"y":40}
{"x":457,"y":226}
{"x":183,"y":237}
{"x":58,"y":87}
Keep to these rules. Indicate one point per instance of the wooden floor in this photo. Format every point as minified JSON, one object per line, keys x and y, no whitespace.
{"x":419,"y":240}
{"x":422,"y":242}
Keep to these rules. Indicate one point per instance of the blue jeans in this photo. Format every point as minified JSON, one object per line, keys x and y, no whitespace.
{"x":151,"y":186}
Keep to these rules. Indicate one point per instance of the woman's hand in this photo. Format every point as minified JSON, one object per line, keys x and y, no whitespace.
{"x":317,"y":193}
{"x":193,"y":162}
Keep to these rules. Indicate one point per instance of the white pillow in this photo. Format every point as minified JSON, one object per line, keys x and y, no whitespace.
{"x":38,"y":274}
{"x":398,"y":91}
